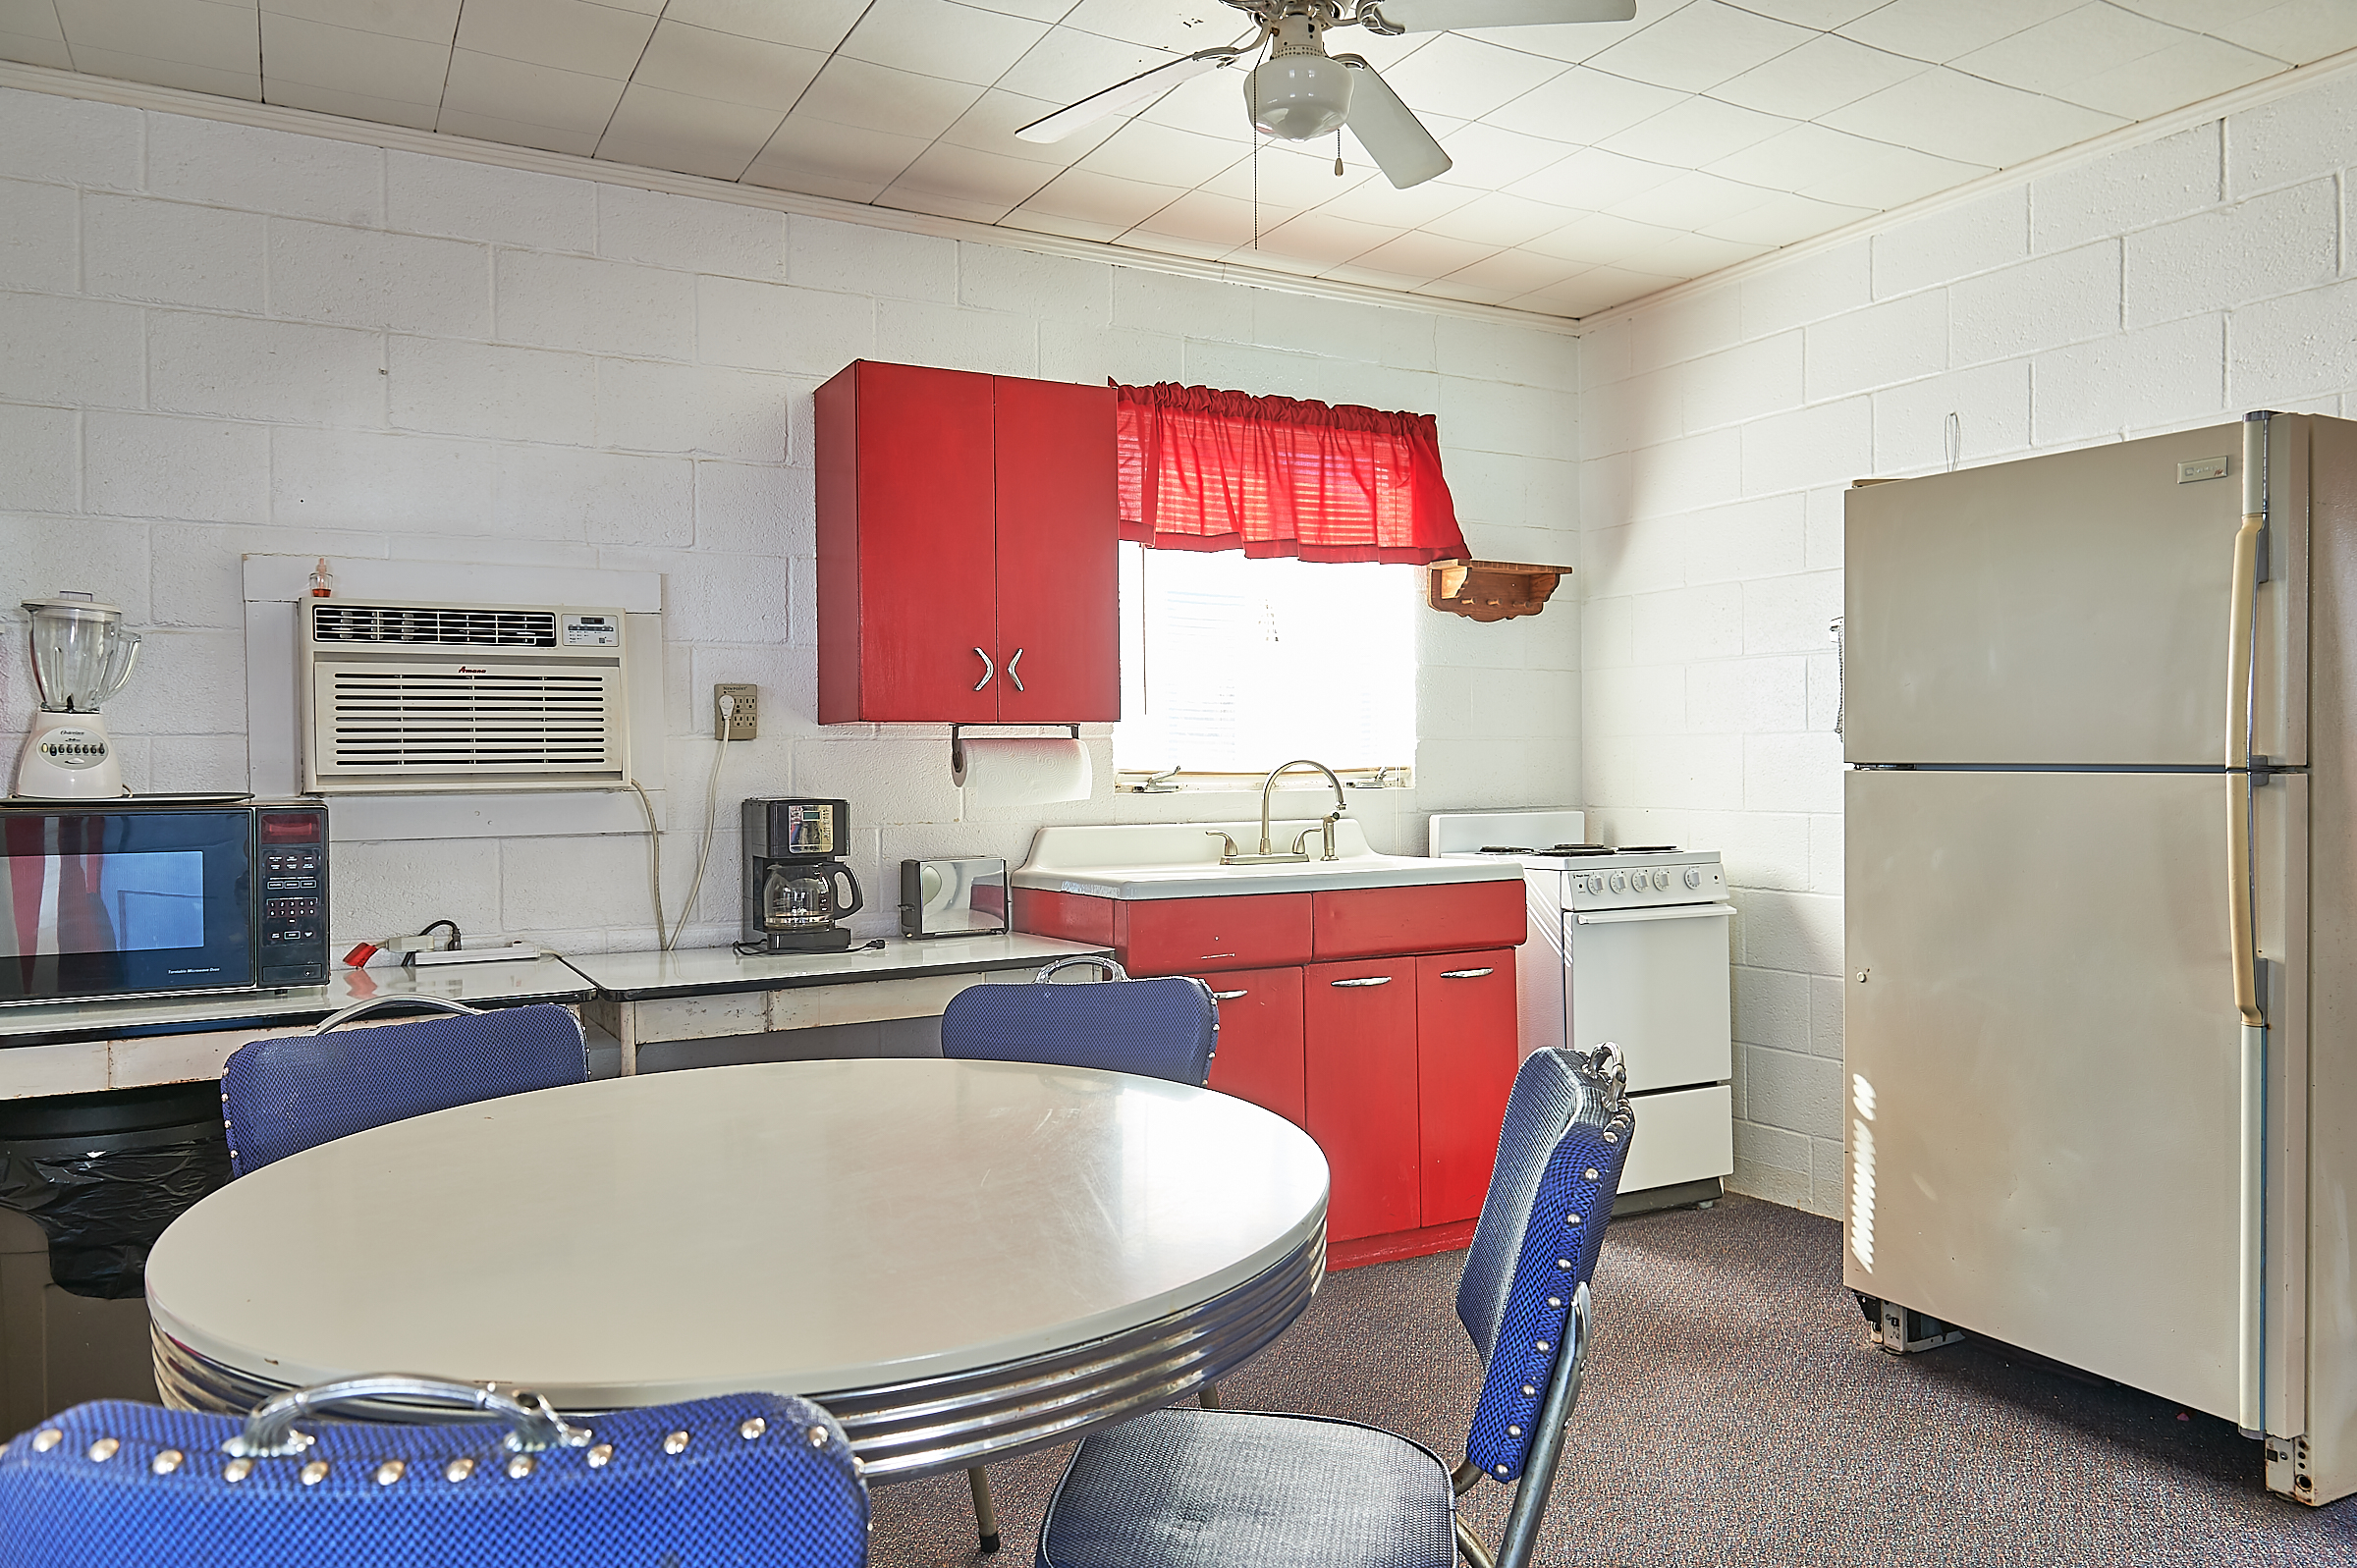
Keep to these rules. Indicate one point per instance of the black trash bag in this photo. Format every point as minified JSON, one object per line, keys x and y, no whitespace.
{"x":104,"y":1195}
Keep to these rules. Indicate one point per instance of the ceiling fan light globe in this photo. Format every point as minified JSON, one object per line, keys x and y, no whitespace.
{"x":1298,"y":97}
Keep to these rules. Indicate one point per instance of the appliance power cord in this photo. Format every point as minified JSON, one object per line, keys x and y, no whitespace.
{"x":654,"y":844}
{"x":703,"y":853}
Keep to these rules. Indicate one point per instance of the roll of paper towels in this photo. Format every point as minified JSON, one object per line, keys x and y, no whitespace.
{"x":1021,"y":772}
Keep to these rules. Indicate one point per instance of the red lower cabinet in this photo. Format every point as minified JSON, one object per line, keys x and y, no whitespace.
{"x":1259,"y":1057}
{"x":1467,"y":1053}
{"x":1358,"y":1035}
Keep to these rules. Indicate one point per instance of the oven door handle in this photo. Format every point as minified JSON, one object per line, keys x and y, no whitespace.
{"x":1676,"y":911}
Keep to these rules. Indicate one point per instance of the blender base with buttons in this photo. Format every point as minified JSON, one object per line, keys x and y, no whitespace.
{"x":81,"y":657}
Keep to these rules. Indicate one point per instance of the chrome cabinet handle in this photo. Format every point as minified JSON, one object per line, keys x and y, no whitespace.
{"x":1371,"y":980}
{"x":988,"y":670}
{"x":1465,"y":974}
{"x":1228,"y":996}
{"x":1010,"y":664}
{"x":2242,"y":594}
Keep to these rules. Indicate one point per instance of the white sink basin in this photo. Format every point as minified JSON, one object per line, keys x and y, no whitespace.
{"x":1182,"y":860}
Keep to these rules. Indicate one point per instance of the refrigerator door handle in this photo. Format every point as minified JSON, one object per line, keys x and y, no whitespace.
{"x":2241,"y":670}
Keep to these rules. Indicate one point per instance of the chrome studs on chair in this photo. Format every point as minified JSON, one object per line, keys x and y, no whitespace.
{"x":818,"y":1436}
{"x":520,"y":1466}
{"x":47,"y":1440}
{"x":314,"y":1472}
{"x":753,"y":1427}
{"x":676,"y":1442}
{"x":1590,"y":1174}
{"x":391,"y":1471}
{"x":237,"y":1470}
{"x":598,"y":1456}
{"x":457,"y":1469}
{"x":104,"y":1450}
{"x":164,"y":1463}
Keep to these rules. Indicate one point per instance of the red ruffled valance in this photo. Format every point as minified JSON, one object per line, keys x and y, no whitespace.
{"x":1279,"y":477}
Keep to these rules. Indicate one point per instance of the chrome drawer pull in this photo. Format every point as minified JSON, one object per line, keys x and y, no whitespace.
{"x":1010,"y":664}
{"x":1465,"y":974}
{"x":988,"y":670}
{"x":1228,"y":996}
{"x":1371,"y":980}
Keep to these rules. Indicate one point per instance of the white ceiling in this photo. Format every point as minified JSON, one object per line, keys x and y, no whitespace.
{"x":1595,"y":163}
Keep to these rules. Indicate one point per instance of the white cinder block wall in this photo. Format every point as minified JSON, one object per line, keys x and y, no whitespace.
{"x":2164,"y":285}
{"x":217,"y":339}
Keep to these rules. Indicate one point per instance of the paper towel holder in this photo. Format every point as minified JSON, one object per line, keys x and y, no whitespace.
{"x":958,"y":741}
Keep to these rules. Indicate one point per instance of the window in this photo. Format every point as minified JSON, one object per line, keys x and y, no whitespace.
{"x":1235,"y":665}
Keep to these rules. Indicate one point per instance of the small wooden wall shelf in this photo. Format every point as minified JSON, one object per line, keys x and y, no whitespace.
{"x":1490,"y":590}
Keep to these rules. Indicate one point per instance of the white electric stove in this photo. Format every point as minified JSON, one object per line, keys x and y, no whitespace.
{"x":1628,"y":943}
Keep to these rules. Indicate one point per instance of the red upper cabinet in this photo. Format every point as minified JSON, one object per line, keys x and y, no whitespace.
{"x":966,"y":524}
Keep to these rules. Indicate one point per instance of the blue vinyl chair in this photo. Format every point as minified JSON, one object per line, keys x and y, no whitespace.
{"x":1228,"y":1488}
{"x":1165,"y":1028}
{"x":738,"y":1480}
{"x":283,"y":1096}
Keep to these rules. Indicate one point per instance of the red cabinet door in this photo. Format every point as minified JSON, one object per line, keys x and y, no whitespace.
{"x":1193,"y":936}
{"x":1259,"y":1057}
{"x":1058,"y":586}
{"x":1358,"y":1035}
{"x":905,"y":550}
{"x":1467,"y":1053}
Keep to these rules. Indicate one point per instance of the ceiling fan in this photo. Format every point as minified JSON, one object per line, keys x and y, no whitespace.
{"x":1300,"y":91}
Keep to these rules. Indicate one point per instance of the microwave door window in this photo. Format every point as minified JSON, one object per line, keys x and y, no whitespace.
{"x":115,"y":904}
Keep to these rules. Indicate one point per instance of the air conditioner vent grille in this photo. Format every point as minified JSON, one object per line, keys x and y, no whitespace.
{"x":391,"y":720}
{"x":451,"y":626}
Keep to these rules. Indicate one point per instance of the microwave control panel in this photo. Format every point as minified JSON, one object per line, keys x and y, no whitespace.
{"x":291,"y":852}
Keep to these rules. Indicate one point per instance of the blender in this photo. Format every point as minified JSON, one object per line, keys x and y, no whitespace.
{"x":81,"y":657}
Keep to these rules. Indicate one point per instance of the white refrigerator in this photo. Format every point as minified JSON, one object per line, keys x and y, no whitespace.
{"x":2100,"y":1073}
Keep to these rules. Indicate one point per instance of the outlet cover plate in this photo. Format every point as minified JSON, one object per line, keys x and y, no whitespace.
{"x":746,"y":723}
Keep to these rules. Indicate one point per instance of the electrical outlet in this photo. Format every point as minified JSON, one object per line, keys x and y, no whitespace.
{"x":745,"y":724}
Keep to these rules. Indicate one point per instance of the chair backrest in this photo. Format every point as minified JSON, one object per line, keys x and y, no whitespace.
{"x":745,"y":1478}
{"x":1155,"y":1028}
{"x":1568,"y":1126}
{"x":283,"y":1096}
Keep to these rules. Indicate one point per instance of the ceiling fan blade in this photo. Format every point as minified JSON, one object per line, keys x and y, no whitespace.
{"x":1435,"y":16}
{"x":1127,"y":97}
{"x":1389,"y":130}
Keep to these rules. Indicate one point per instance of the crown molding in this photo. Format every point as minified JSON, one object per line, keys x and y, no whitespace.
{"x":435,"y":144}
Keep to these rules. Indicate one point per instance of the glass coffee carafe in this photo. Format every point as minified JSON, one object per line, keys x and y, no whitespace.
{"x":800,"y":894}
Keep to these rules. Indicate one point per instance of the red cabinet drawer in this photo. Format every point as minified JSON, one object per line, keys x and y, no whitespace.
{"x":1443,"y":917}
{"x":1467,"y":1048}
{"x":1259,"y":1057}
{"x":1358,"y":1035}
{"x":1073,"y":916}
{"x":1190,"y":936}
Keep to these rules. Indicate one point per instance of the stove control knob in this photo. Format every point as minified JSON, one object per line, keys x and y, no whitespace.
{"x":1618,"y":882}
{"x":1661,"y":880}
{"x":1693,"y":876}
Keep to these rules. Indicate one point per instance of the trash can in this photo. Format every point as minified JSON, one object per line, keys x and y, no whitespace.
{"x":94,"y":1179}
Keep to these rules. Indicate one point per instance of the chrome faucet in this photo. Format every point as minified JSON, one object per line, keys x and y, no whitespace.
{"x":1326,"y":825}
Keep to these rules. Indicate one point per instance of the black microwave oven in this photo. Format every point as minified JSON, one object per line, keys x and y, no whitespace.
{"x":134,"y":898}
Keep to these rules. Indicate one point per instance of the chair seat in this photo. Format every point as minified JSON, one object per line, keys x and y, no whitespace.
{"x":1233,"y":1489}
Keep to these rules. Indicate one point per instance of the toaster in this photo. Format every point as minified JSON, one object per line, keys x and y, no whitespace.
{"x":952,"y":897}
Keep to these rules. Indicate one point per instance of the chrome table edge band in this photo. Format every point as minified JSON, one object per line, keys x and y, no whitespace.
{"x":907,"y":1430}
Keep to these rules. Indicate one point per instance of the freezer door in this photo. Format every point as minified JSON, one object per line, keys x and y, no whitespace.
{"x":1653,"y":982}
{"x":2042,"y":1058}
{"x":2072,"y":607}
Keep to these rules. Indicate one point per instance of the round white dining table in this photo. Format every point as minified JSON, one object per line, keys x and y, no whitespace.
{"x":963,"y":1260}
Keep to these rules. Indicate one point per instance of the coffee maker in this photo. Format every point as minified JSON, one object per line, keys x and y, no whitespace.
{"x":790,"y":850}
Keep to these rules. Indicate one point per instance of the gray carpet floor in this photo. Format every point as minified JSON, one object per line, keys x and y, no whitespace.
{"x":1735,"y":1412}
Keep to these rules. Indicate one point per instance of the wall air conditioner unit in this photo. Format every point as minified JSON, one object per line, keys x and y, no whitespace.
{"x":411,"y":698}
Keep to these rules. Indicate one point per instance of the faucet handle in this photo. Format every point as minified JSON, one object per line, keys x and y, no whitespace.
{"x":1227,"y":845}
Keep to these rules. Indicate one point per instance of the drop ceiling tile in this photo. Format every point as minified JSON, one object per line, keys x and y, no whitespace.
{"x":1698,"y":131}
{"x":1785,"y":218}
{"x":2089,"y":41}
{"x":1160,"y":155}
{"x":1514,"y":272}
{"x":1822,"y":16}
{"x":2298,"y":31}
{"x":1321,"y":237}
{"x":424,"y":20}
{"x":1466,"y":77}
{"x":899,"y":103}
{"x":1835,"y":166}
{"x":168,"y":73}
{"x":1488,"y":157}
{"x":1573,"y":41}
{"x":1067,"y":65}
{"x":194,"y":33}
{"x":1101,"y":199}
{"x":1597,"y":237}
{"x":1700,"y":46}
{"x":1692,"y":200}
{"x":1818,"y":77}
{"x":657,"y":128}
{"x":1598,"y":289}
{"x":574,"y":35}
{"x":25,"y":49}
{"x":1592,"y":179}
{"x":1379,"y":203}
{"x":1939,"y":30}
{"x":1287,"y":178}
{"x":2200,"y":16}
{"x":942,"y":39}
{"x":990,"y":125}
{"x":833,"y":160}
{"x":516,"y":132}
{"x":973,"y":209}
{"x":1071,"y":228}
{"x":987,"y":178}
{"x":1036,"y":9}
{"x":31,"y":18}
{"x":542,"y":95}
{"x":725,"y":66}
{"x":1497,"y":219}
{"x":352,"y":105}
{"x":1376,"y":277}
{"x":2197,"y":68}
{"x":1210,"y":105}
{"x":1584,"y":106}
{"x":1951,"y":115}
{"x":1456,"y":286}
{"x":315,"y":54}
{"x":805,"y":23}
{"x":1690,"y":256}
{"x":1424,"y":256}
{"x":1181,"y":27}
{"x":1217,"y":224}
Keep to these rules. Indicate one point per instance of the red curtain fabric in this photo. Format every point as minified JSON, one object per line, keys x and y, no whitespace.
{"x":1278,"y":476}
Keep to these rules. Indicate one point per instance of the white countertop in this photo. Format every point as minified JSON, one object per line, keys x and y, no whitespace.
{"x":701,"y":971}
{"x":1182,"y":860}
{"x":806,"y":1227}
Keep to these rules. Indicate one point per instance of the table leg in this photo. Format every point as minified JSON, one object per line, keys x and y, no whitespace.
{"x":986,"y":1517}
{"x":625,"y":1030}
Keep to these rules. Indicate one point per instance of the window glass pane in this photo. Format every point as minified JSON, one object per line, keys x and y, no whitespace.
{"x":1232,"y":665}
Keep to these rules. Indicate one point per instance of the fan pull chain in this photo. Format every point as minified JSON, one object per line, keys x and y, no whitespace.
{"x":1337,"y":152}
{"x":1255,"y":128}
